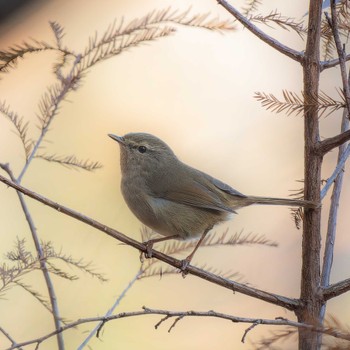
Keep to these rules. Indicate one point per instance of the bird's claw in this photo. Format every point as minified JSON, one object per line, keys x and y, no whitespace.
{"x":184,"y":265}
{"x":148,"y":253}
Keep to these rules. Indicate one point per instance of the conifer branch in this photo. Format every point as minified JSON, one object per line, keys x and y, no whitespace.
{"x":119,"y":36}
{"x":250,"y":7}
{"x":292,"y":103}
{"x":286,"y":23}
{"x":71,"y":161}
{"x":21,"y":127}
{"x":9,"y":57}
{"x":23,"y":262}
{"x":152,"y":268}
{"x":58,"y":32}
{"x":40,"y":298}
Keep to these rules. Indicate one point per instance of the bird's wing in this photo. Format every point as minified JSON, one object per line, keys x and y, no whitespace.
{"x":196,"y":196}
{"x":199,"y":190}
{"x":226,"y":188}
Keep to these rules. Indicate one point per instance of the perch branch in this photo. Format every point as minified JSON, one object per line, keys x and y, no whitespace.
{"x":288,"y":303}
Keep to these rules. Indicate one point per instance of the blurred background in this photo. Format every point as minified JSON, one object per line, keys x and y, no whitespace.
{"x":195,"y":91}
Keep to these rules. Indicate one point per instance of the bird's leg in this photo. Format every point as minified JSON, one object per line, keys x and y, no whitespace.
{"x":187,"y":261}
{"x":149,"y":244}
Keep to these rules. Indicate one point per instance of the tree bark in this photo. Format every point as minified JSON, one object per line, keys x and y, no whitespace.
{"x":310,"y":279}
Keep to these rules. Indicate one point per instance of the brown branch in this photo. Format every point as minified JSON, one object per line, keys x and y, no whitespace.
{"x":295,"y":55}
{"x":336,"y":289}
{"x":311,"y":240}
{"x":327,"y":145}
{"x":278,"y":321}
{"x":288,"y":303}
{"x":253,"y":325}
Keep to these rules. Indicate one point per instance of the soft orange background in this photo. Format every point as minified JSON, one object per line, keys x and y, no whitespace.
{"x":194,"y":90}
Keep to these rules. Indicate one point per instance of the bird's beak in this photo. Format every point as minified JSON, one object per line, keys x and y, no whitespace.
{"x":117,"y":138}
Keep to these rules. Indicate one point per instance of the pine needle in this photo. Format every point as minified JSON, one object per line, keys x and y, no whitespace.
{"x":21,"y":127}
{"x":71,"y":161}
{"x":293,"y":103}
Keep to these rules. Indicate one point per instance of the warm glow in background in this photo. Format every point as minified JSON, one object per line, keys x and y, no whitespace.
{"x":195,"y":91}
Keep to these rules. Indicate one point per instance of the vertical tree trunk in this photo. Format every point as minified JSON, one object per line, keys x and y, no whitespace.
{"x":310,"y":279}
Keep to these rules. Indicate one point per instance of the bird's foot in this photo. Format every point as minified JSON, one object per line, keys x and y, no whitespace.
{"x":184,"y":265}
{"x":148,"y":253}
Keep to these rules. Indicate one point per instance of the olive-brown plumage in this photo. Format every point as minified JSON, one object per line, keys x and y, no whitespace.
{"x":173,"y":198}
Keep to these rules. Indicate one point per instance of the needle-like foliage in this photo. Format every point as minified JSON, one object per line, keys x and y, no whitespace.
{"x":343,"y":20}
{"x":71,"y":161}
{"x":152,"y":267}
{"x":284,"y":22}
{"x":21,"y":262}
{"x":292,"y":103}
{"x":21,"y":127}
{"x":250,"y":7}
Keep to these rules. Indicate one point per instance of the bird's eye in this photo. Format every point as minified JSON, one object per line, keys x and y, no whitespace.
{"x":142,"y":149}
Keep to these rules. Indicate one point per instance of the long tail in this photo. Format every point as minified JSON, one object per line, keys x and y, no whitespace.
{"x":282,"y":201}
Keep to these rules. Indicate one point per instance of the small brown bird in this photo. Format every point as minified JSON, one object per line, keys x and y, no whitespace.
{"x":174,"y":199}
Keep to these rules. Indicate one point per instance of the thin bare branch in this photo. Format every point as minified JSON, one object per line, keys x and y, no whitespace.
{"x":343,"y":154}
{"x":332,"y":63}
{"x":43,"y":267}
{"x":99,"y":326}
{"x":338,"y":169}
{"x":295,"y":55}
{"x":7,"y":335}
{"x":288,"y":303}
{"x":178,"y":315}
